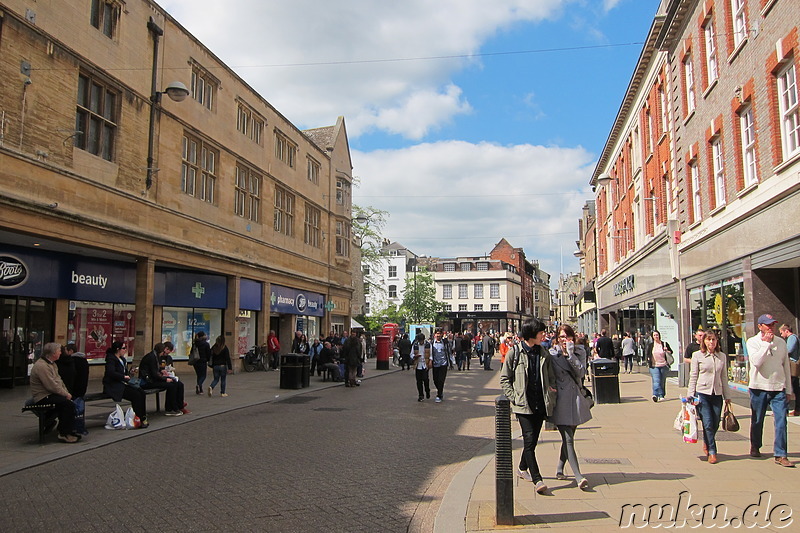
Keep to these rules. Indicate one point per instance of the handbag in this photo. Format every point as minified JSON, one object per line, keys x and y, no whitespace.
{"x":669,"y":358}
{"x":729,"y":422}
{"x":795,"y":368}
{"x":194,"y":356}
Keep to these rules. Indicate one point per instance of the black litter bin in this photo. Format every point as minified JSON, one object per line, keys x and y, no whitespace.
{"x":305,"y":366}
{"x":291,"y":371}
{"x":605,"y":381}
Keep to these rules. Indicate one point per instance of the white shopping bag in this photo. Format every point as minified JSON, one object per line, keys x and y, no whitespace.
{"x":116,"y":420}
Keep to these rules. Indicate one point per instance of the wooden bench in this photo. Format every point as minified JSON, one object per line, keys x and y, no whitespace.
{"x":46,"y":412}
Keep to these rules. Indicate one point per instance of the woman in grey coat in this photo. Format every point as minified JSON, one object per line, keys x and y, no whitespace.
{"x":572,"y":409}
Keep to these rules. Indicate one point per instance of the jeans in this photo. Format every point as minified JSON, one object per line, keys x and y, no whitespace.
{"x":759,"y":399}
{"x":220,"y":376}
{"x":439,"y":375}
{"x":80,"y":413}
{"x":710,"y":412}
{"x":423,"y":383}
{"x":628,"y":362}
{"x":531,"y":426}
{"x":568,"y":451}
{"x":487,"y":361}
{"x":201,"y":369}
{"x":659,"y":375}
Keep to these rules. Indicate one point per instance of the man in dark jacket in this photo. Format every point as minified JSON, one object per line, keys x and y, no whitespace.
{"x":351,"y":353}
{"x":604,"y":346}
{"x":152,"y":377}
{"x":74,"y":371}
{"x":404,"y":347}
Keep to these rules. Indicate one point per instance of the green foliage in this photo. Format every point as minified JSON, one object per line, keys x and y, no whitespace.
{"x":368,"y":232}
{"x":419,"y":300}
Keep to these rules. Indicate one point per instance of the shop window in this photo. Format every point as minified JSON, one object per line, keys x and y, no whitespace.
{"x":179,"y":325}
{"x":93,"y":326}
{"x":247,"y":337}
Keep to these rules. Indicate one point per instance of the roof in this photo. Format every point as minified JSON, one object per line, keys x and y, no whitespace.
{"x":322,"y":137}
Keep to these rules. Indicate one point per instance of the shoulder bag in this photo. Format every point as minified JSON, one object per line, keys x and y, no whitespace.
{"x":729,"y":422}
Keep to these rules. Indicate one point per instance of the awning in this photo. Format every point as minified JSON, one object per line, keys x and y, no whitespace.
{"x":354,"y":324}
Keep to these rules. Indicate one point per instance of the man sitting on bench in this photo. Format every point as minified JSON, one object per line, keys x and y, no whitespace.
{"x":48,"y":388}
{"x":154,"y":378}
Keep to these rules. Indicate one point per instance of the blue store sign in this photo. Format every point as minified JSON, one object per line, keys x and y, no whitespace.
{"x":184,"y":288}
{"x":293,"y":302}
{"x":43,"y":274}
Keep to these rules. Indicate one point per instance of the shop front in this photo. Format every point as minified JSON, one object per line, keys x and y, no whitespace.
{"x":297,"y":311}
{"x":250,"y":303}
{"x":190,"y":302}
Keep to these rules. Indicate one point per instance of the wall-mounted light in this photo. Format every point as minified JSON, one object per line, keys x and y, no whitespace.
{"x":604,"y":179}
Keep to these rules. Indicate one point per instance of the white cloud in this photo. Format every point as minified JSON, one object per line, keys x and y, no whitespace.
{"x":456,"y":198}
{"x":608,"y":5}
{"x":405,"y":97}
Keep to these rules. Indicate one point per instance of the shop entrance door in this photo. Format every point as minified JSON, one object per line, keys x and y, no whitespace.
{"x":27,"y":326}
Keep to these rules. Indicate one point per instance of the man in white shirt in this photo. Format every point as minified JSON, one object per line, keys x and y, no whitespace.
{"x":770,"y":384}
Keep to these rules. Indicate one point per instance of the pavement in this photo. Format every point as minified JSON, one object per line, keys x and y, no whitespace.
{"x":636,"y":463}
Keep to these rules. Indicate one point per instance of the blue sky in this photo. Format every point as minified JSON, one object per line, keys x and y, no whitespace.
{"x":469,"y":121}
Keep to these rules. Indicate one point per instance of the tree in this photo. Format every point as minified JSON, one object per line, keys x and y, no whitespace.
{"x":419,"y":299}
{"x":367,"y":225}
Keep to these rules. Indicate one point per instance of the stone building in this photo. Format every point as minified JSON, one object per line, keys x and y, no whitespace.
{"x":127,"y":215}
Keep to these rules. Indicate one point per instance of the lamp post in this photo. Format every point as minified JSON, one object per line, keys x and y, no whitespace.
{"x":176,"y":91}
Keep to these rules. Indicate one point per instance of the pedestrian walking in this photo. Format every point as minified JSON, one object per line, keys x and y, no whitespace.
{"x":770,"y":385}
{"x":658,"y":354}
{"x":628,"y":351}
{"x":487,"y":347}
{"x":708,"y":381}
{"x":571,"y":409}
{"x":793,"y":348}
{"x":351,"y":354}
{"x":527,"y":381}
{"x":404,"y":348}
{"x":422,"y":364}
{"x":221,"y":365}
{"x":274,"y":349}
{"x":441,"y":359}
{"x":200,"y":367}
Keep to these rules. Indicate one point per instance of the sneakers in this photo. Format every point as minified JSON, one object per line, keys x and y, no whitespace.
{"x":420,"y":399}
{"x":173,"y":413}
{"x":224,"y":394}
{"x":782,"y":461}
{"x":583,"y":484}
{"x":69,"y":439}
{"x":524,"y":474}
{"x":541,"y":488}
{"x":754,"y":452}
{"x":655,"y":398}
{"x":144,"y":424}
{"x":438,"y":400}
{"x":561,"y":476}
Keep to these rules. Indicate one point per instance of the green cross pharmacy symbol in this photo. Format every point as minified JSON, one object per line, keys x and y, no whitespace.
{"x":198,"y":290}
{"x":330,"y":306}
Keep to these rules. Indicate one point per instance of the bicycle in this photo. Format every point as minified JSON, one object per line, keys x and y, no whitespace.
{"x":256,"y":358}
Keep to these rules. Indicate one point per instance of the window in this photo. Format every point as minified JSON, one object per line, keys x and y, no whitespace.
{"x":392,"y":271}
{"x":313,"y":170}
{"x":711,"y":52}
{"x":789,"y":111}
{"x":688,"y":80}
{"x":392,"y":291}
{"x":478,"y":307}
{"x":449,"y":267}
{"x":248,"y":194}
{"x":104,"y":17}
{"x":494,"y":290}
{"x":483,"y":266}
{"x":494,"y":307}
{"x":204,"y":86}
{"x":366,"y":308}
{"x":447,"y":291}
{"x":283,"y":220}
{"x":199,"y":169}
{"x":448,"y":308}
{"x":478,"y":290}
{"x":96,"y":117}
{"x":342,"y":238}
{"x":748,"y":134}
{"x":462,"y":290}
{"x":718,"y":164}
{"x":650,"y":134}
{"x":342,"y":191}
{"x":465,"y":267}
{"x":365,"y":270}
{"x":536,"y":296}
{"x":366,"y":288}
{"x":462,"y":307}
{"x":739,"y":21}
{"x":662,"y":96}
{"x":285,"y":150}
{"x":311,"y":231}
{"x":249,"y":123}
{"x":697,"y":198}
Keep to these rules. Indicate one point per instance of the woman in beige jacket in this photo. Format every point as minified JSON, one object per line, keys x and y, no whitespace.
{"x":708,"y":380}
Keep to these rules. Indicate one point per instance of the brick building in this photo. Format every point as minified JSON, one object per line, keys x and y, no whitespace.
{"x":127,"y":215}
{"x":698,"y":186}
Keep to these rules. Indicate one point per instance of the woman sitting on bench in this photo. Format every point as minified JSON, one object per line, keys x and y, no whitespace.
{"x":116,"y":379}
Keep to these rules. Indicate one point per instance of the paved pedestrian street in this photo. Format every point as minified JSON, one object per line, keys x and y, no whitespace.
{"x":331,"y":459}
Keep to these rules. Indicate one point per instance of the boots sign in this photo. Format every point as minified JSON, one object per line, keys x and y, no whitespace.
{"x":13,"y":272}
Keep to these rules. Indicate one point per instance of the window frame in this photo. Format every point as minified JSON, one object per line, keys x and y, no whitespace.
{"x":739,"y":21}
{"x":689,"y":84}
{"x":283,"y":215}
{"x":477,"y":291}
{"x":249,"y":123}
{"x":312,"y":228}
{"x":342,"y":238}
{"x":203,"y":87}
{"x":393,"y":291}
{"x":697,"y":197}
{"x":718,"y":171}
{"x":712,"y":61}
{"x":247,"y":200}
{"x":96,"y":119}
{"x":104,"y":16}
{"x":747,"y":133}
{"x":205,"y":169}
{"x":285,"y":149}
{"x":494,"y":290}
{"x":463,"y":291}
{"x":788,"y":110}
{"x":313,"y":168}
{"x":447,"y":291}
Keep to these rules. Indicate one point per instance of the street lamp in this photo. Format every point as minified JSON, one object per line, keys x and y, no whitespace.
{"x":176,"y":91}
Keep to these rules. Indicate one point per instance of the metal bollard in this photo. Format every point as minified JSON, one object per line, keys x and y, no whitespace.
{"x":504,"y":468}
